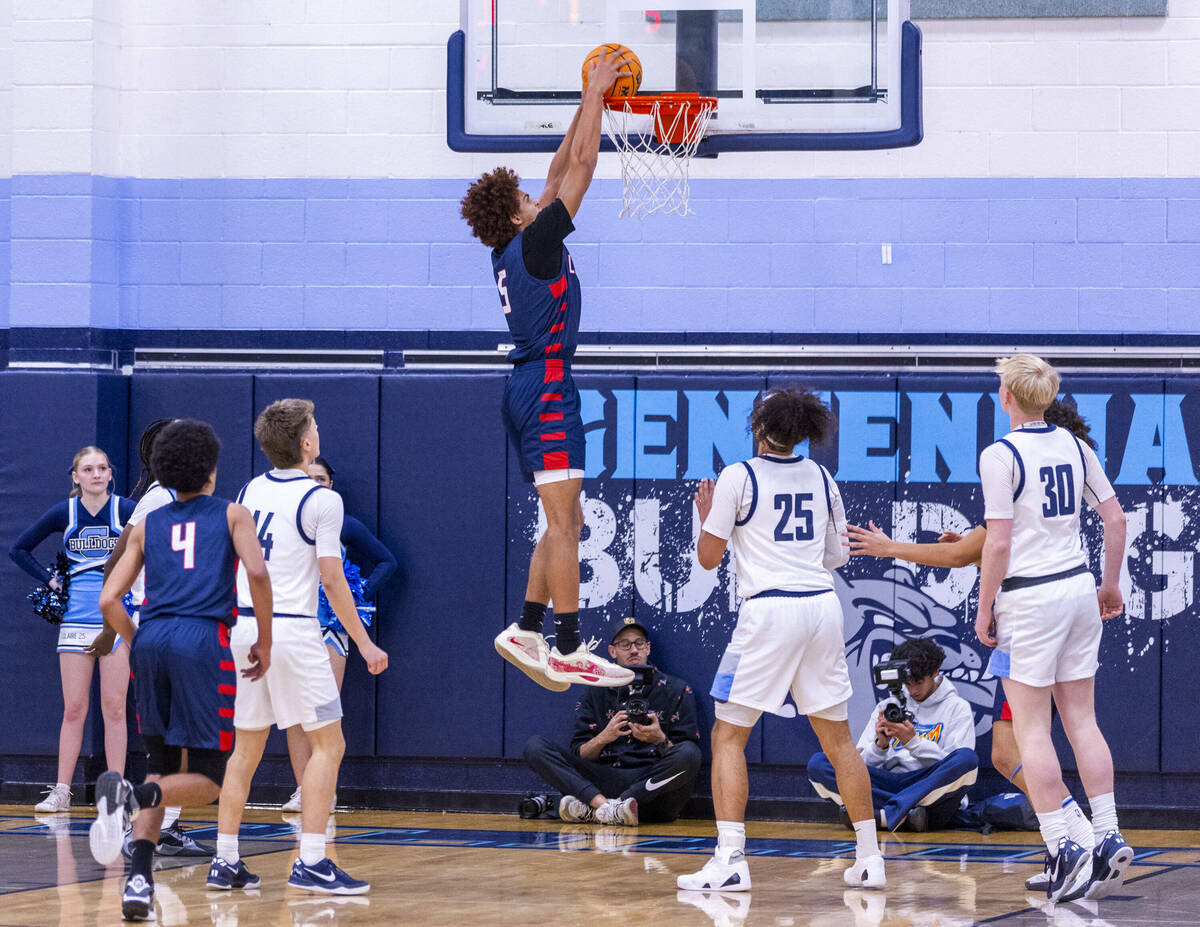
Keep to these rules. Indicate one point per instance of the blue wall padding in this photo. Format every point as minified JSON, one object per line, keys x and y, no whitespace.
{"x":423,"y":459}
{"x":442,"y":442}
{"x":47,"y":418}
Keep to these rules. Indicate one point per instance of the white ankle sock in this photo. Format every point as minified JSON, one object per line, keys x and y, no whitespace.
{"x":1079,"y":828}
{"x":867,"y":844}
{"x":312,"y":848}
{"x":63,"y":786}
{"x":731,"y":835}
{"x":170,"y":816}
{"x":1104,"y":814}
{"x":227,"y":848}
{"x":1053,"y":825}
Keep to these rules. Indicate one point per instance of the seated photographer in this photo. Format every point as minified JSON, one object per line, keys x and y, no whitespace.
{"x":635,"y":751}
{"x":919,"y":750}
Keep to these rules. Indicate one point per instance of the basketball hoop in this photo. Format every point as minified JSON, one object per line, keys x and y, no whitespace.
{"x":657,"y":137}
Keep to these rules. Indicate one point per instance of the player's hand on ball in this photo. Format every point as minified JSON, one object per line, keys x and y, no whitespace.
{"x":377,"y":659}
{"x":1111,"y":603}
{"x":985,"y":627}
{"x":604,"y":72}
{"x":704,"y":497}
{"x":260,"y":661}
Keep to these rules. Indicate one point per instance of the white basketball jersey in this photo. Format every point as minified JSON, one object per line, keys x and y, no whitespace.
{"x":781,"y":516}
{"x":155,"y":497}
{"x":277,"y":500}
{"x":1039,"y":476}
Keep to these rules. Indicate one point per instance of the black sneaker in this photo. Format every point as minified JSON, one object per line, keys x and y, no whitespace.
{"x":115,"y":810}
{"x":137,"y":903}
{"x":917,"y":820}
{"x":175,"y":841}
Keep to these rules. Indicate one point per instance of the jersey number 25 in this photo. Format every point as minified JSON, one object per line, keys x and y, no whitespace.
{"x":804,"y":518}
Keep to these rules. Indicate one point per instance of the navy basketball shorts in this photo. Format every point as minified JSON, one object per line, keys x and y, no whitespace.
{"x":540,"y":410}
{"x":184,"y":682}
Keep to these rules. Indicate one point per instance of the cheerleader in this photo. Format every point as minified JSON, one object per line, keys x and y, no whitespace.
{"x":90,"y":521}
{"x":359,"y":547}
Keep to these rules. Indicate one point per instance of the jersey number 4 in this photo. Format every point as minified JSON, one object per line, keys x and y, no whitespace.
{"x":183,"y":538}
{"x":803,"y":517}
{"x":1060,"y":490}
{"x":264,"y":533}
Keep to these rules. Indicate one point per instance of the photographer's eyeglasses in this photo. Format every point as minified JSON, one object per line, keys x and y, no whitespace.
{"x":638,"y":642}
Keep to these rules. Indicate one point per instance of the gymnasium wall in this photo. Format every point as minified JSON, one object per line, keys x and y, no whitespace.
{"x":422,"y":460}
{"x":278,"y":165}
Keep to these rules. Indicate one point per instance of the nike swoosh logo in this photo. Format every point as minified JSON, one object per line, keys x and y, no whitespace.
{"x":324,"y":878}
{"x":651,"y":785}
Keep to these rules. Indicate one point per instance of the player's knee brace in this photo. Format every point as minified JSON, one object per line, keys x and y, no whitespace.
{"x":161,"y":759}
{"x":208,"y":763}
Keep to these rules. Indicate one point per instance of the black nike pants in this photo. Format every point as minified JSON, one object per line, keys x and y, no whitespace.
{"x":661,"y":789}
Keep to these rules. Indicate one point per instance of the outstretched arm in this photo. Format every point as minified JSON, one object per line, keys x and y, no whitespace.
{"x":558,"y":166}
{"x":585,"y":143}
{"x":959,"y":552}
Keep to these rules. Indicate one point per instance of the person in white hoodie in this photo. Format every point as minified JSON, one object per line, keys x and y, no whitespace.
{"x":921,"y":768}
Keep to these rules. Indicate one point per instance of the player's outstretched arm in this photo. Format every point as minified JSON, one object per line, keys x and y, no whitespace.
{"x":120,"y":581}
{"x":249,"y":551}
{"x":956,"y":551}
{"x":709,"y":548}
{"x":585,"y":146}
{"x":341,"y":600}
{"x":558,"y":166}
{"x":1109,"y":592}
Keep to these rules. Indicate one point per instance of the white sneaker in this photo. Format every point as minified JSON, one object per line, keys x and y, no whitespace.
{"x":116,"y":807}
{"x":58,"y":798}
{"x":293,"y":803}
{"x":527,"y":651}
{"x":583,"y":666}
{"x":618,"y":812}
{"x":573,"y":811}
{"x":866,"y":873}
{"x":725,"y":872}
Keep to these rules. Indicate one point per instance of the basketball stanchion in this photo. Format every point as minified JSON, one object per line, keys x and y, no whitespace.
{"x":656,"y":138}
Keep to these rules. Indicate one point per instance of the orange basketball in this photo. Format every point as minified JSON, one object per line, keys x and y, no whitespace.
{"x":630,"y":78}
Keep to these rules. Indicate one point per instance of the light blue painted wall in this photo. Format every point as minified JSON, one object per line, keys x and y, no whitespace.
{"x":968,"y":255}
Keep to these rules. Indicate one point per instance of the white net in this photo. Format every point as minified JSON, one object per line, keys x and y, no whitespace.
{"x":656,"y":140}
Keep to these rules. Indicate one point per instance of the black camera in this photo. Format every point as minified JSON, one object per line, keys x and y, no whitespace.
{"x":635,"y":698}
{"x":533,"y":806}
{"x":894,"y":674}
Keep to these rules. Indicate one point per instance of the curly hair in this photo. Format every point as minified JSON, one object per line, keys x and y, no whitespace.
{"x":1066,"y":415}
{"x":489,"y":206}
{"x":785,"y":417}
{"x":185,"y":455}
{"x":923,"y":656}
{"x":145,"y":447}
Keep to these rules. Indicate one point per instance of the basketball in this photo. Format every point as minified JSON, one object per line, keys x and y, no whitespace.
{"x":630,"y":78}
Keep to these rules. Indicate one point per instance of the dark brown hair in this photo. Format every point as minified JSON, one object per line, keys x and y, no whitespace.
{"x":489,"y":207}
{"x":785,"y":417}
{"x":280,"y":427}
{"x":1065,"y":415}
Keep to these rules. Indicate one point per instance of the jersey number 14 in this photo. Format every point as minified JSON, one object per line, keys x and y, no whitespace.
{"x":264,"y":534}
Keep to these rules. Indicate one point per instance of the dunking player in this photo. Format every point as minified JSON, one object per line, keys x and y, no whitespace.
{"x":1039,"y":607}
{"x":183,"y":677}
{"x":539,"y":293}
{"x":299,"y":527}
{"x":784,"y":516}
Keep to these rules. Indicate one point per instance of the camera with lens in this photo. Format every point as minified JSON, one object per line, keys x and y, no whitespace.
{"x":894,"y":674}
{"x":635,"y":698}
{"x":533,"y":806}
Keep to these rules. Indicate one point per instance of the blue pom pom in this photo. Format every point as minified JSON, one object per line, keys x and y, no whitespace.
{"x":354,"y":579}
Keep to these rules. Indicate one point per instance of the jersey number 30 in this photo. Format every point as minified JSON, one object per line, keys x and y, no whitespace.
{"x":1060,"y":490}
{"x":803,"y":517}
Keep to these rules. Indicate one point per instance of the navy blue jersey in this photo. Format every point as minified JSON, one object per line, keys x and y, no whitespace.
{"x":542,"y":315}
{"x":190,"y":561}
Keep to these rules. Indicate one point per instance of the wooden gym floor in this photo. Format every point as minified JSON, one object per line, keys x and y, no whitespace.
{"x":469,"y":869}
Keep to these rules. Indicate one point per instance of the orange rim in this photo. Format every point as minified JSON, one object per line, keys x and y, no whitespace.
{"x":669,"y":126}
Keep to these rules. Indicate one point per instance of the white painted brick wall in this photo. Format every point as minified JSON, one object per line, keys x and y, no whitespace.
{"x":357,"y":88}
